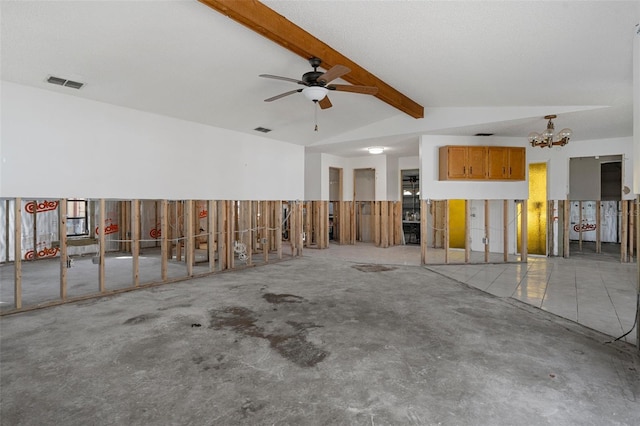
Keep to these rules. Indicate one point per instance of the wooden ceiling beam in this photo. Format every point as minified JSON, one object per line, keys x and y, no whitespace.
{"x":277,"y":28}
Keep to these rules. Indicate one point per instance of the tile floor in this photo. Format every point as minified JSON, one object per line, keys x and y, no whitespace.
{"x":599,"y":294}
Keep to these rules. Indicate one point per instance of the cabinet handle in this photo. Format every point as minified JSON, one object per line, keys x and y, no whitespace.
{"x":509,"y":171}
{"x":504,"y":170}
{"x":464,"y":170}
{"x":470,"y":170}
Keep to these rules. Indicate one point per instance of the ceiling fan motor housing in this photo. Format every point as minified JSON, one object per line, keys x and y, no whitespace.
{"x":311,"y":78}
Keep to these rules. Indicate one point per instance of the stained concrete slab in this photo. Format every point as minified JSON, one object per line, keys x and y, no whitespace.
{"x":311,"y":342}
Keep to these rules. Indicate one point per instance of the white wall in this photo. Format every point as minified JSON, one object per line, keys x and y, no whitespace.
{"x":348,"y":165}
{"x":56,"y":145}
{"x":557,"y":160}
{"x":393,"y":179}
{"x":313,"y":177}
{"x":433,"y":188}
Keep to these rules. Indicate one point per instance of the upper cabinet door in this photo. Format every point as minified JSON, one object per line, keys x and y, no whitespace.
{"x":477,"y":162}
{"x":457,"y":162}
{"x":517,"y":163}
{"x":497,"y":159}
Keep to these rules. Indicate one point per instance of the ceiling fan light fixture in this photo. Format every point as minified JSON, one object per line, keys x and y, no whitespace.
{"x":375,"y":150}
{"x":315,"y":93}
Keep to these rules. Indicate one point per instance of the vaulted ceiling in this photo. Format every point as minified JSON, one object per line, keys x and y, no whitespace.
{"x":475,"y":66}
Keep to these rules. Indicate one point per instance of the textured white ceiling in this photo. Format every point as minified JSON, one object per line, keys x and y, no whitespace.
{"x":467,"y":62}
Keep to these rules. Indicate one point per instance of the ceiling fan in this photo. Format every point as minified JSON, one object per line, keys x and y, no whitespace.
{"x":317,"y":84}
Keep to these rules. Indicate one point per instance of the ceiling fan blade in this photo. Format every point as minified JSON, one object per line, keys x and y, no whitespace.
{"x":325,"y":103}
{"x":282,"y":95}
{"x":366,"y":90}
{"x":335,"y":72}
{"x":277,"y":77}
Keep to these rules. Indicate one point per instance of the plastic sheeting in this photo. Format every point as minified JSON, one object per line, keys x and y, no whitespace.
{"x":609,"y":224}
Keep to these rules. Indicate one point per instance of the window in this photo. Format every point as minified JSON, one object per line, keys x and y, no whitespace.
{"x":77,"y":218}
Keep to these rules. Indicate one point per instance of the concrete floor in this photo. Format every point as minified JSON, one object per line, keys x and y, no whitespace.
{"x":312,"y":341}
{"x":596,"y":291}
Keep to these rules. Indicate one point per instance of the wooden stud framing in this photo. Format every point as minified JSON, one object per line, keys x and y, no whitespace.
{"x":62,"y":238}
{"x":467,"y":231}
{"x":189,"y":243}
{"x":580,"y":226}
{"x":565,"y":232}
{"x":524,"y":250}
{"x":248,"y":233}
{"x":505,"y":230}
{"x":265,"y":216}
{"x":624,"y":232}
{"x":164,"y":241}
{"x":352,"y":220}
{"x":637,"y":234}
{"x":212,"y":213}
{"x":631,"y":229}
{"x":384,"y":223}
{"x":101,"y":246}
{"x":35,"y":230}
{"x":278,"y":226}
{"x":598,"y":230}
{"x":222,"y":237}
{"x":7,"y":227}
{"x":230,"y":218}
{"x":487,"y":230}
{"x":446,"y":231}
{"x":423,"y":232}
{"x":550,"y":226}
{"x":17,"y":254}
{"x":135,"y":241}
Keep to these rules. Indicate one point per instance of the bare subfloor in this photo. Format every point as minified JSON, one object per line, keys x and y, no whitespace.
{"x":311,"y":342}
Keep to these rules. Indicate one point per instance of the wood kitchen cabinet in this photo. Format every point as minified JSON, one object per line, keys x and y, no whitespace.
{"x":517,"y":163}
{"x":481,"y":163}
{"x":462,"y":162}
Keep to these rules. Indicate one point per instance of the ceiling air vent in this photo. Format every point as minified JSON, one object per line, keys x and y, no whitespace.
{"x":262,"y":129}
{"x":64,"y":82}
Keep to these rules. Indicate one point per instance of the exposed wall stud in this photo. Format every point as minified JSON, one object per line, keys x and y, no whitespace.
{"x":101,"y":245}
{"x":17,"y":247}
{"x":164,"y":241}
{"x":135,"y":241}
{"x":505,"y":230}
{"x":524,"y":251}
{"x":62,"y":238}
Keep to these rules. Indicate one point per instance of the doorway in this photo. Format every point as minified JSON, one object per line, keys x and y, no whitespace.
{"x":595,"y":193}
{"x":410,"y":189}
{"x":364,"y":192}
{"x":335,"y":197}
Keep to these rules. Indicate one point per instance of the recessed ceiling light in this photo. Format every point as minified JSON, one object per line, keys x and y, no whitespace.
{"x":375,"y":149}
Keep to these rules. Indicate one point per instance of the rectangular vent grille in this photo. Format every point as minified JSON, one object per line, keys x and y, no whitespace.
{"x":64,"y":82}
{"x":262,"y":129}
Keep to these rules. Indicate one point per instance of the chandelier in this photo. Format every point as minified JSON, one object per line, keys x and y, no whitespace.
{"x":548,"y":138}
